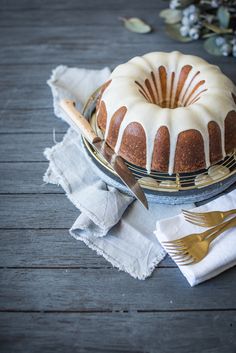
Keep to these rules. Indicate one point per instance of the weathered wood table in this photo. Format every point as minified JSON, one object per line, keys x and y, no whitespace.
{"x":56,"y":295}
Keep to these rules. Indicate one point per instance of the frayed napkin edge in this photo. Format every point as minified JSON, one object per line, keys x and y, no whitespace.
{"x":132,"y":272}
{"x":60,"y":180}
{"x":54,"y":175}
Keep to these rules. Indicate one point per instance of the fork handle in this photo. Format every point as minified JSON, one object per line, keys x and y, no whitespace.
{"x":230,"y":212}
{"x":226,"y":225}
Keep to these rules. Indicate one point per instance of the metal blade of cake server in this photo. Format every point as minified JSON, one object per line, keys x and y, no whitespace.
{"x":119,"y":166}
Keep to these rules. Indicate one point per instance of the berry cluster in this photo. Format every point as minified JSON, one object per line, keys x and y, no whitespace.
{"x":190,"y":23}
{"x":213,"y":20}
{"x":226,"y":48}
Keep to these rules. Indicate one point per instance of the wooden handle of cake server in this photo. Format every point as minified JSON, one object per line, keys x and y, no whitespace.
{"x":79,"y":120}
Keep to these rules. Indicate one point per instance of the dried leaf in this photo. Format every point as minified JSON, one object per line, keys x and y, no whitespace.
{"x":217,"y":29}
{"x":136,"y":25}
{"x":211,"y":47}
{"x":171,"y":16}
{"x":223,"y":16}
{"x":173,"y":30}
{"x":207,"y":35}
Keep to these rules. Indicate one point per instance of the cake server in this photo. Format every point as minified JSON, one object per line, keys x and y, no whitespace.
{"x":115,"y":161}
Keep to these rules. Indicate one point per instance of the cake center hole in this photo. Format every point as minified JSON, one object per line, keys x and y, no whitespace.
{"x":169,"y":90}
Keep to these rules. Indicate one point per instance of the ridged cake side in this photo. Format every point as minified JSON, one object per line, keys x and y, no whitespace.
{"x":169,"y":112}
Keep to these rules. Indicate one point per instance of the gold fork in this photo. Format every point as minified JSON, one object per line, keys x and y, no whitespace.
{"x":194,"y":247}
{"x":207,"y":219}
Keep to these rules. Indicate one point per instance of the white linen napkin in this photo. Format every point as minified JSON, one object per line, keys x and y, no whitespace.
{"x":222,"y":254}
{"x":123,"y":236}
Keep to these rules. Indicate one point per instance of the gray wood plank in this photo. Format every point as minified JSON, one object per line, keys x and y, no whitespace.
{"x":68,"y":36}
{"x":26,"y":147}
{"x":36,"y":74}
{"x":25,"y":178}
{"x":36,"y":211}
{"x":25,"y":74}
{"x":30,"y":121}
{"x":108,"y":289}
{"x":25,"y":97}
{"x":69,"y":17}
{"x":50,"y":248}
{"x":40,"y":211}
{"x":75,"y":4}
{"x":204,"y":332}
{"x":67,"y":45}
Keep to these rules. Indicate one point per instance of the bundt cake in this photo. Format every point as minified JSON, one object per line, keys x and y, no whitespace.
{"x":169,"y":112}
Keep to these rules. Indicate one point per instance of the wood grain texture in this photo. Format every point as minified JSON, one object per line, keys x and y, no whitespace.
{"x":30,"y":121}
{"x":50,"y":248}
{"x":82,"y":289}
{"x":119,"y":332}
{"x":25,"y":97}
{"x":69,"y":17}
{"x":26,"y":147}
{"x":57,"y":45}
{"x":25,"y":178}
{"x":37,"y":211}
{"x":13,"y":5}
{"x":42,"y":268}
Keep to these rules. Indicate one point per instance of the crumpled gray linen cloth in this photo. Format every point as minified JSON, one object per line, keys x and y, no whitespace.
{"x":110,"y":222}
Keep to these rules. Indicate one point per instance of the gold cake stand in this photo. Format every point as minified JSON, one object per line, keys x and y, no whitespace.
{"x":190,"y":186}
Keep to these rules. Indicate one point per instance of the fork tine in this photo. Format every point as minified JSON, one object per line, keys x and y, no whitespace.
{"x":198,"y":219}
{"x":184,"y":263}
{"x":194,"y":217}
{"x":175,"y":241}
{"x":176,"y":247}
{"x":198,"y":223}
{"x":177,"y":250}
{"x":180,"y":255}
{"x":195,"y":213}
{"x":183,"y":259}
{"x":175,"y":244}
{"x":178,"y":243}
{"x":177,"y":255}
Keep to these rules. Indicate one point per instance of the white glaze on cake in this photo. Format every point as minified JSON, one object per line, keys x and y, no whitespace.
{"x":210,"y":102}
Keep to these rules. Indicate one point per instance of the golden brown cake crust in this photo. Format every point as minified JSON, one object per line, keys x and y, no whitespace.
{"x":215,"y":142}
{"x":189,"y":153}
{"x":161,"y":152}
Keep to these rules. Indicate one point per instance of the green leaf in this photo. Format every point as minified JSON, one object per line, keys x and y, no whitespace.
{"x":173,"y":31}
{"x":171,"y":16}
{"x":211,"y":47}
{"x":223,"y":16}
{"x":136,"y":25}
{"x":217,"y":29}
